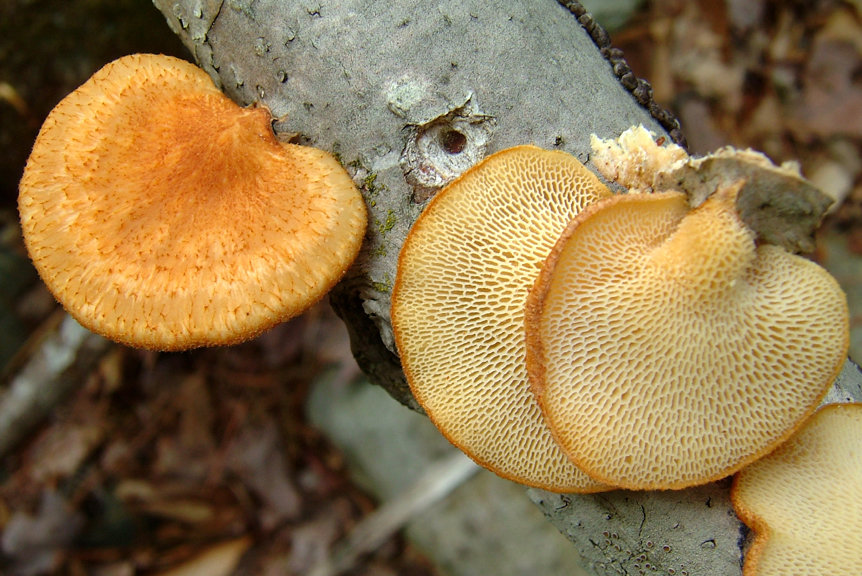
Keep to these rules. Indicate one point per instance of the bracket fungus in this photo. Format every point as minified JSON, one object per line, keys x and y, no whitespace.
{"x":775,"y":202}
{"x":668,"y":349}
{"x":162,"y":215}
{"x":458,"y":307}
{"x":804,"y":500}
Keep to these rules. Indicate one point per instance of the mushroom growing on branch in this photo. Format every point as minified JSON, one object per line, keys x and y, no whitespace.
{"x":458,"y":307}
{"x":667,"y":349}
{"x":162,"y":215}
{"x":804,"y":501}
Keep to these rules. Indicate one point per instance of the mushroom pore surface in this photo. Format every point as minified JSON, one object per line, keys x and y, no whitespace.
{"x":667,"y":349}
{"x":804,"y":500}
{"x":458,"y":307}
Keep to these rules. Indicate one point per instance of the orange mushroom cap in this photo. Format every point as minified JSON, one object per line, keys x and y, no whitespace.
{"x":804,"y":500}
{"x":164,"y":216}
{"x":458,"y":308}
{"x":667,"y":349}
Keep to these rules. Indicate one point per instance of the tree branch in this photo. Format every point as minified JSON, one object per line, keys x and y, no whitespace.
{"x":384,"y":85}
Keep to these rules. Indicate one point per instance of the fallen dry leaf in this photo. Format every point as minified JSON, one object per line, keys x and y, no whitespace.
{"x":218,"y":560}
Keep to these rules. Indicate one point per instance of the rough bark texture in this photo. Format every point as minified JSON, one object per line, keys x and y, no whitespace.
{"x":408,"y":94}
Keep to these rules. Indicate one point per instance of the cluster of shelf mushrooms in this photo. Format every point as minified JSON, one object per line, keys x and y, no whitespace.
{"x":563,"y":336}
{"x":577,"y":340}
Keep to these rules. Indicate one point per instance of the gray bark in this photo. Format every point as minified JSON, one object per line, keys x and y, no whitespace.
{"x":382,"y":84}
{"x":387,"y":86}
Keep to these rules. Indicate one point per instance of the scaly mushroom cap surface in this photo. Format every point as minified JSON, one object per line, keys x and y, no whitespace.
{"x":164,"y":216}
{"x":458,"y":307}
{"x":804,"y":500}
{"x":668,"y":350}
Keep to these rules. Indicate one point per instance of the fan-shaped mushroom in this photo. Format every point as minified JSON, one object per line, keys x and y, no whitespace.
{"x":162,"y":215}
{"x":667,"y":349}
{"x":458,"y":307}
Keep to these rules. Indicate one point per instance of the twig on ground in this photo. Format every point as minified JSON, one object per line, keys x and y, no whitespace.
{"x":436,"y":483}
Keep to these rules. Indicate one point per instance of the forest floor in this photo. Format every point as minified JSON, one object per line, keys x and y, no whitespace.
{"x":163,"y":464}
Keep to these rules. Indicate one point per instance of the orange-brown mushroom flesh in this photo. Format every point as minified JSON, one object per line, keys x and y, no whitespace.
{"x":668,"y":350}
{"x":804,"y":500}
{"x":458,"y":307}
{"x":164,"y":216}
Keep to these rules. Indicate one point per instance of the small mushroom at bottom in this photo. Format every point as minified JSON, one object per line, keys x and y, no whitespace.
{"x":804,"y":500}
